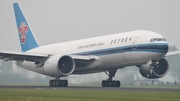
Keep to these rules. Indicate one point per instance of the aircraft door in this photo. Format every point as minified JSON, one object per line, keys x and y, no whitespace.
{"x":134,"y":46}
{"x":134,"y":55}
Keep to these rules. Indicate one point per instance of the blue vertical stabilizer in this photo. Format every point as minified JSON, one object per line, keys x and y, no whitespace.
{"x":26,"y":36}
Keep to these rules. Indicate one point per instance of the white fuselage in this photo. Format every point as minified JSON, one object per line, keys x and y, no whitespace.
{"x":113,"y":51}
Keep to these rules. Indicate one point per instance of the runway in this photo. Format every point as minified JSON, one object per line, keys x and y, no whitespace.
{"x":96,"y":88}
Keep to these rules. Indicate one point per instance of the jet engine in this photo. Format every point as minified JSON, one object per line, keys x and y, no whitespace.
{"x":59,"y":65}
{"x":156,"y":69}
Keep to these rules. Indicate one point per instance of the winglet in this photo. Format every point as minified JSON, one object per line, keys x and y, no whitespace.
{"x":26,"y":36}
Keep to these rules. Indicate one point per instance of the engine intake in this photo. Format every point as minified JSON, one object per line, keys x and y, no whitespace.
{"x":66,"y":65}
{"x":59,"y":65}
{"x":154,"y":70}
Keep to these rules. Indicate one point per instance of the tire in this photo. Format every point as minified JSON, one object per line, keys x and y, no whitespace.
{"x":118,"y":83}
{"x":65,"y":83}
{"x":103,"y":83}
{"x":57,"y":83}
{"x":54,"y":83}
{"x":50,"y":83}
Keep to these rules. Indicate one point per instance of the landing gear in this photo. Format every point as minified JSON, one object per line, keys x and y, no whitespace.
{"x":106,"y":83}
{"x":109,"y":82}
{"x":58,"y":83}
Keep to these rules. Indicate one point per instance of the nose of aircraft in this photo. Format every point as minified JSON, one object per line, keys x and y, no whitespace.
{"x":166,"y":49}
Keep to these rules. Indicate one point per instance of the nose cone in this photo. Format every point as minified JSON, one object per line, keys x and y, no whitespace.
{"x":166,"y":48}
{"x":163,"y":47}
{"x":160,"y":50}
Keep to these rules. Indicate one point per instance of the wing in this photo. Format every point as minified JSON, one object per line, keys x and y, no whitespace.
{"x":80,"y":61}
{"x":22,"y":56}
{"x":172,"y":53}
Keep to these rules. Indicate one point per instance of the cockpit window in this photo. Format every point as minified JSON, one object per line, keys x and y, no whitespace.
{"x":164,"y":39}
{"x":157,"y":39}
{"x":152,"y":40}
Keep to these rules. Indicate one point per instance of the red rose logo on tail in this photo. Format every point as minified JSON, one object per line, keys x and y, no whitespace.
{"x":23,"y":29}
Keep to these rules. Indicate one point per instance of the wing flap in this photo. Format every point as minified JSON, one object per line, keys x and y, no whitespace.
{"x":82,"y":61}
{"x":79,"y":57}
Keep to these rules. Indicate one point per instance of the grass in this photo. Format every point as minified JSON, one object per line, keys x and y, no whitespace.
{"x":152,"y":86}
{"x":14,"y":94}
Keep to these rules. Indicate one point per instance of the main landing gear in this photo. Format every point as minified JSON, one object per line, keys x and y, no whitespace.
{"x":109,"y":82}
{"x":58,"y":83}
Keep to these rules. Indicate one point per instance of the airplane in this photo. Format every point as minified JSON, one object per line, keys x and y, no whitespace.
{"x":142,"y":48}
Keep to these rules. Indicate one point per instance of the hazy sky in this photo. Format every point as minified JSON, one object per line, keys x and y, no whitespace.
{"x":63,"y":20}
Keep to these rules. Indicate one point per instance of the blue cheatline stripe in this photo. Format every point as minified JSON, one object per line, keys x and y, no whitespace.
{"x":149,"y":47}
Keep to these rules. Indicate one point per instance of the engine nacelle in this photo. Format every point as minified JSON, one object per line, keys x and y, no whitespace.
{"x":59,"y":65}
{"x":154,"y":70}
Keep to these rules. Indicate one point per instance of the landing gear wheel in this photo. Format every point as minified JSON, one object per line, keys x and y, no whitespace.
{"x":118,"y":83}
{"x":54,"y":83}
{"x":103,"y":83}
{"x":65,"y":83}
{"x":51,"y":83}
{"x":110,"y":83}
{"x":58,"y":83}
